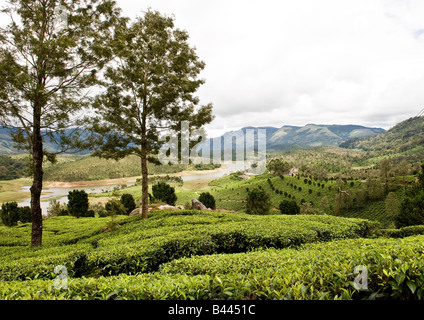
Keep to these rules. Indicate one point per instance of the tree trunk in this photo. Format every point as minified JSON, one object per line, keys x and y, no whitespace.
{"x":144,"y":172}
{"x":144,"y":185}
{"x":37,"y":185}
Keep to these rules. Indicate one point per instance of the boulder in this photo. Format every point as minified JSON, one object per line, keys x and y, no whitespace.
{"x":154,"y":207}
{"x":197,"y":205}
{"x":135,"y":211}
{"x":167,"y":207}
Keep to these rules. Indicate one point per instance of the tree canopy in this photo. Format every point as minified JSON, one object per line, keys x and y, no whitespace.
{"x":149,"y":89}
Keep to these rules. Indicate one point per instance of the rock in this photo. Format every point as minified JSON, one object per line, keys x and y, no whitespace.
{"x":154,"y":207}
{"x":135,"y":211}
{"x":197,"y":205}
{"x":167,"y":207}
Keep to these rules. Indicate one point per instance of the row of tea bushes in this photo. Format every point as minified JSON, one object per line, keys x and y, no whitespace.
{"x":141,"y":246}
{"x":314,"y":271}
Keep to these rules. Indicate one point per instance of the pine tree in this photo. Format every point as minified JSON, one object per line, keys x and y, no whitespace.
{"x":50,"y":54}
{"x":150,"y":89}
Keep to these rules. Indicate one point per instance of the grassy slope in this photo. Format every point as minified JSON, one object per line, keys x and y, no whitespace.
{"x":86,"y":168}
{"x":9,"y":190}
{"x":230,"y":193}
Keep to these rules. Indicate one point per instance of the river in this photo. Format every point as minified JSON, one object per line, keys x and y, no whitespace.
{"x":61,"y":193}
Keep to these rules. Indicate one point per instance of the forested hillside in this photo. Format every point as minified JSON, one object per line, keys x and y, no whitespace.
{"x":406,"y":135}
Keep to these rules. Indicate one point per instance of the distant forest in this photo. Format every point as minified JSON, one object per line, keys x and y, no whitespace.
{"x":12,"y":168}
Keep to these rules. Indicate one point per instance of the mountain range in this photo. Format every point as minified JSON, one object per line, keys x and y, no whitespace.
{"x":279,"y":139}
{"x":311,"y":135}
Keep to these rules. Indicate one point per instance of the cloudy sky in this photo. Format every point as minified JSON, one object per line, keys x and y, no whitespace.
{"x":275,"y":63}
{"x":294,"y":62}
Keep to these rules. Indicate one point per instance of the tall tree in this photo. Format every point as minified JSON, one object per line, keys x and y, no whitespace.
{"x":385,"y":169}
{"x":50,"y":54}
{"x":150,"y":88}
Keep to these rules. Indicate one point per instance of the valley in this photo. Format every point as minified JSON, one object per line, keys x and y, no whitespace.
{"x":346,"y":218}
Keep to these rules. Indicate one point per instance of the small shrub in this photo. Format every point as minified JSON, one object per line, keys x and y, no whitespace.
{"x":258,"y":202}
{"x":10,"y":214}
{"x":164,"y":192}
{"x":77,"y":203}
{"x":128,"y":202}
{"x":208,"y":200}
{"x":115,"y":207}
{"x":289,"y":207}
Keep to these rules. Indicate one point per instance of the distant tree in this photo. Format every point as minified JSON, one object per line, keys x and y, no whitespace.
{"x":208,"y":200}
{"x":420,"y":178}
{"x":258,"y":202}
{"x":115,"y":207}
{"x":326,"y":205}
{"x":385,"y":169}
{"x":289,"y":207}
{"x":10,"y":214}
{"x":164,"y":192}
{"x":128,"y":202}
{"x":12,"y":168}
{"x":307,"y":209}
{"x":149,"y":89}
{"x":278,"y":166}
{"x":402,"y":169}
{"x":78,"y":203}
{"x":375,"y":189}
{"x":392,"y":205}
{"x":412,"y":207}
{"x":342,"y":198}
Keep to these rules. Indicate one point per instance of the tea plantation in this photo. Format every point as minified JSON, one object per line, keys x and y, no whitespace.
{"x":211,"y":255}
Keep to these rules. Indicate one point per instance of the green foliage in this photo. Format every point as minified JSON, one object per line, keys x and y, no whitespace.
{"x":311,"y":271}
{"x":115,"y":207}
{"x":164,"y":192}
{"x":412,"y":206}
{"x":257,"y":202}
{"x":86,"y":168}
{"x":11,"y":168}
{"x":128,"y":202}
{"x":141,"y":245}
{"x":404,"y":136}
{"x":209,"y":166}
{"x":10,"y":214}
{"x":411,"y":211}
{"x":278,"y":166}
{"x":289,"y":207}
{"x":208,"y":200}
{"x":78,"y":203}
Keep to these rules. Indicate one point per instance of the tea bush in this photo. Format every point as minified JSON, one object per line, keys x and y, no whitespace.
{"x":318,"y":271}
{"x":140,"y":246}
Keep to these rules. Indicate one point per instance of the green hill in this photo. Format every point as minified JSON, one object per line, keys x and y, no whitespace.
{"x":405,"y":136}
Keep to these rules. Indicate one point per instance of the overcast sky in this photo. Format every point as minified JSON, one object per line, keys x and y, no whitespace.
{"x":275,"y":63}
{"x":294,"y":62}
